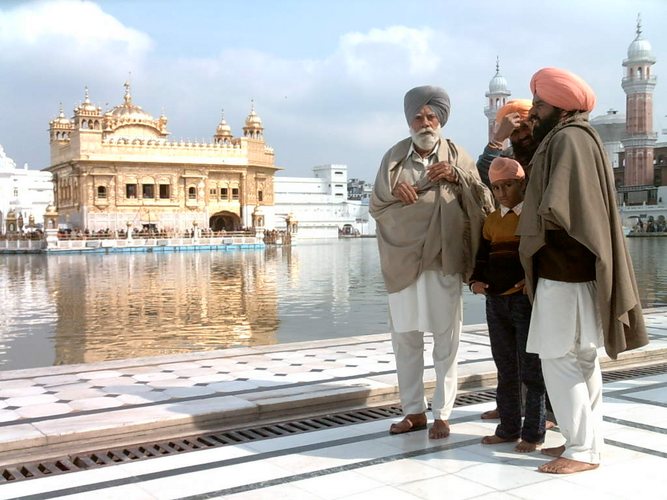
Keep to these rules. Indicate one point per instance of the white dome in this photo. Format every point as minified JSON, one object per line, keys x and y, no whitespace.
{"x":640,"y":49}
{"x":497,"y":84}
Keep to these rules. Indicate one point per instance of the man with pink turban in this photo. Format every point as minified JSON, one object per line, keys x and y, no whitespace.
{"x":511,"y":123}
{"x":578,"y":270}
{"x":429,"y":205}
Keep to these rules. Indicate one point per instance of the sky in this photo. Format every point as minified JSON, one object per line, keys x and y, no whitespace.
{"x":327,"y":77}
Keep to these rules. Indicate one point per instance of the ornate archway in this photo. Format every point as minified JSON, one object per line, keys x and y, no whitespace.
{"x":224,"y":221}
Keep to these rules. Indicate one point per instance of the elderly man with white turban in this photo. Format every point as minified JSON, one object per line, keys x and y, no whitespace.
{"x":429,"y":204}
{"x":577,"y":265}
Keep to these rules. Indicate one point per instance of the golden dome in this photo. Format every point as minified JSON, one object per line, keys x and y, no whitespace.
{"x":86,"y":105}
{"x":253,"y":120}
{"x":128,"y":110}
{"x":223,"y":128}
{"x":61,"y":119}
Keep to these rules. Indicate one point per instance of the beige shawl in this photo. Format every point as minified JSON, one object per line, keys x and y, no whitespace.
{"x":572,"y":187}
{"x":445,"y":223}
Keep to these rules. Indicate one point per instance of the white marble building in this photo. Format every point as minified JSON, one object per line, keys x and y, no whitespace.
{"x":320,"y":204}
{"x":27,"y":192}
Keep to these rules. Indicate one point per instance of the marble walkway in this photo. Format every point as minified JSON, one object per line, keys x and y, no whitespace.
{"x":57,"y":411}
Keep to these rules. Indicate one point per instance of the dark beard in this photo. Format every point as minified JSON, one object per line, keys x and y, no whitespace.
{"x":545,"y":126}
{"x":523,"y":152}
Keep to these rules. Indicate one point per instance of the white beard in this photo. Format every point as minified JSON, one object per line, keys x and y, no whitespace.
{"x":426,"y":138}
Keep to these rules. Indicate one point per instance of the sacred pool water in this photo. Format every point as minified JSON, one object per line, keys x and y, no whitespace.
{"x":62,"y":309}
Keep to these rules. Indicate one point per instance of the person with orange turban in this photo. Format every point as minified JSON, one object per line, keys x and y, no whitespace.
{"x":511,"y":123}
{"x":498,"y":275}
{"x":579,"y":274}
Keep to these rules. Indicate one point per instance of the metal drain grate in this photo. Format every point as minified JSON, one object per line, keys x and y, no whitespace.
{"x":101,"y":458}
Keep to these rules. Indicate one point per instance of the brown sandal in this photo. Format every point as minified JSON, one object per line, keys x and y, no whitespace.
{"x":411,"y":423}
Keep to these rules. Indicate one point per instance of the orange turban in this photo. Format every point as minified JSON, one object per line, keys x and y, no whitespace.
{"x":521,"y":106}
{"x":502,"y":168}
{"x":562,"y":89}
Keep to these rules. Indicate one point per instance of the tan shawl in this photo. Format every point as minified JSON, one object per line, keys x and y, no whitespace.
{"x":572,"y":187}
{"x":446,"y":221}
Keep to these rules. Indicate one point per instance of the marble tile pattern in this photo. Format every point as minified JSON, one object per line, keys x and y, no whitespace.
{"x":67,"y":404}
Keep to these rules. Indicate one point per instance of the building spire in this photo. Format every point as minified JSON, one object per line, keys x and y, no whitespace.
{"x":497,"y":65}
{"x":639,"y":25}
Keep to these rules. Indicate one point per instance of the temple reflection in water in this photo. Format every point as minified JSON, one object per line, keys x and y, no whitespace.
{"x":120,"y":306}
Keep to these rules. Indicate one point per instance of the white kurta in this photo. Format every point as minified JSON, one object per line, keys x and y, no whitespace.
{"x":432,"y":304}
{"x":426,"y":305}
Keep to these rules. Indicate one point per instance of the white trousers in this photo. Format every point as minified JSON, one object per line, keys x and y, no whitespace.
{"x":567,"y":345}
{"x":409,"y":351}
{"x":574,"y":384}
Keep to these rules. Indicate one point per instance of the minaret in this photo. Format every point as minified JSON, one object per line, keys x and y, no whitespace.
{"x":497,"y":95}
{"x":638,"y":84}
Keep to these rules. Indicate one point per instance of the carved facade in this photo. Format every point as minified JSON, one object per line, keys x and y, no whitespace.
{"x":118,"y":169}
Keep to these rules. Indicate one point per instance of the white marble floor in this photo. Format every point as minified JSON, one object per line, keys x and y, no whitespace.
{"x":71,"y":404}
{"x":364,"y":461}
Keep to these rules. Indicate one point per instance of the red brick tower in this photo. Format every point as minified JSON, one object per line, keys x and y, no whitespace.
{"x":638,"y":84}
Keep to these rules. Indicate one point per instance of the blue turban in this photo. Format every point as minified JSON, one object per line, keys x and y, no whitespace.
{"x":428,"y":95}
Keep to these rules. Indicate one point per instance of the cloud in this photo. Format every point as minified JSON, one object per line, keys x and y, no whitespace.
{"x":58,"y":33}
{"x":370,"y":57}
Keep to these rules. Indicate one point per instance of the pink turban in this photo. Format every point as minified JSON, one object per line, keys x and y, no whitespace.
{"x":562,"y":89}
{"x":521,"y":106}
{"x":503,"y":168}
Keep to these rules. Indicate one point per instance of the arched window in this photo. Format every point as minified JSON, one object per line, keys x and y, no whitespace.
{"x":192,"y":193}
{"x":101,"y":191}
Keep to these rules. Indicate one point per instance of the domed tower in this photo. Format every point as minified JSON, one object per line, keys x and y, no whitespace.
{"x":87,"y":115}
{"x":60,"y":128}
{"x":497,"y":95}
{"x":638,"y":84}
{"x":127,"y":120}
{"x":223,"y":133}
{"x":253,"y":125}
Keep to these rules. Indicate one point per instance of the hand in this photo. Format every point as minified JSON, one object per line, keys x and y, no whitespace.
{"x":521,"y":284}
{"x":405,"y":192}
{"x":507,"y":125}
{"x":441,"y":171}
{"x":478,"y":287}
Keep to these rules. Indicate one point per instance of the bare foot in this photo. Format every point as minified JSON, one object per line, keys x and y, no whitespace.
{"x":439,"y":429}
{"x":497,"y":440}
{"x":562,"y":465}
{"x":412,"y":422}
{"x":525,"y":447}
{"x":554,"y":452}
{"x":549,"y":425}
{"x":490,"y":415}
